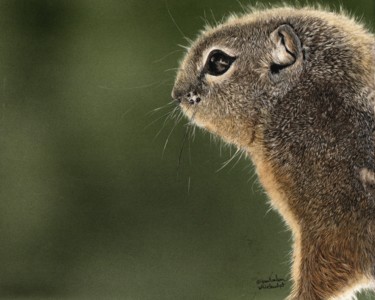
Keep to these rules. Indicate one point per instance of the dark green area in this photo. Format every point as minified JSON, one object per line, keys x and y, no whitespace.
{"x":91,"y":205}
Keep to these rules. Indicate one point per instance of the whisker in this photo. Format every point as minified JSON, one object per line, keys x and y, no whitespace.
{"x":165,"y":121}
{"x":187,"y":48}
{"x":190,"y":41}
{"x":228,"y":161}
{"x":213,"y":17}
{"x":240,"y":154}
{"x":178,"y":119}
{"x":194,"y":128}
{"x":182,"y":148}
{"x":176,"y":113}
{"x":189,"y":180}
{"x":186,"y":137}
{"x":157,"y":119}
{"x":165,"y":56}
{"x":172,"y":69}
{"x":170,"y":83}
{"x":190,"y":147}
{"x":173,"y":112}
{"x":205,"y":20}
{"x":221,"y":148}
{"x":151,"y":112}
{"x":173,"y":20}
{"x":242,"y":6}
{"x":167,"y":140}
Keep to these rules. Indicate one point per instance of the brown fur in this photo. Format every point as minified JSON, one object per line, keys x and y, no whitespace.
{"x":308,"y":127}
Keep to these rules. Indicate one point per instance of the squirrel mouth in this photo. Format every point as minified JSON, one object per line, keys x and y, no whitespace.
{"x":191,"y":112}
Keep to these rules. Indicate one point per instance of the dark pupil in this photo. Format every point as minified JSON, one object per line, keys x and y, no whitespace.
{"x":218,"y":62}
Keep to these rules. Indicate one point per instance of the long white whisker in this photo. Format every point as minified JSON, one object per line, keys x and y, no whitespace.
{"x":172,"y":69}
{"x":165,"y":122}
{"x":178,"y":119}
{"x":228,"y":161}
{"x":151,"y":112}
{"x":182,"y":148}
{"x":167,"y":140}
{"x":165,"y":56}
{"x":240,"y":154}
{"x":153,"y":122}
{"x":189,"y":180}
{"x":242,"y":6}
{"x":187,"y":48}
{"x":213,"y":17}
{"x":173,"y":20}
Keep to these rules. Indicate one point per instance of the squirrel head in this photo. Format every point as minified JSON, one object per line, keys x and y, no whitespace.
{"x":233,"y":75}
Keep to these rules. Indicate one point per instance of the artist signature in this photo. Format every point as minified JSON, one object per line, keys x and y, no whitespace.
{"x":272,"y":282}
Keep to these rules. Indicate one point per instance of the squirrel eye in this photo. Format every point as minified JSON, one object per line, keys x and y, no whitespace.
{"x":218,"y":62}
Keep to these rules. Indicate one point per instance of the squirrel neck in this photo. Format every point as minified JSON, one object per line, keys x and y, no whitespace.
{"x":309,"y":161}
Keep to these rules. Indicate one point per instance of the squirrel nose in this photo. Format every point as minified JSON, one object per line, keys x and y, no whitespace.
{"x":193,"y":98}
{"x":190,"y":97}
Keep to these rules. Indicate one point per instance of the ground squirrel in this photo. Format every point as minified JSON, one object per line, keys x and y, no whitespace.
{"x":295,"y":88}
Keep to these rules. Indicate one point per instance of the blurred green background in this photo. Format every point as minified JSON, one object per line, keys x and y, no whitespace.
{"x":91,"y":205}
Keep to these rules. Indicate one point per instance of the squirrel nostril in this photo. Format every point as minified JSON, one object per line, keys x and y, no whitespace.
{"x":191,"y":101}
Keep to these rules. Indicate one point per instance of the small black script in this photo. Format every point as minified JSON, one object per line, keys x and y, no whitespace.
{"x":272,"y":282}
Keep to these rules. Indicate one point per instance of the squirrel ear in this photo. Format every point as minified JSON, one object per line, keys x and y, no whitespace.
{"x":287,"y":48}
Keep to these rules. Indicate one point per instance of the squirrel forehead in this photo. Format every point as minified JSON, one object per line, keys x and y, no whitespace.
{"x":268,"y":18}
{"x":251,"y":27}
{"x":317,"y":29}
